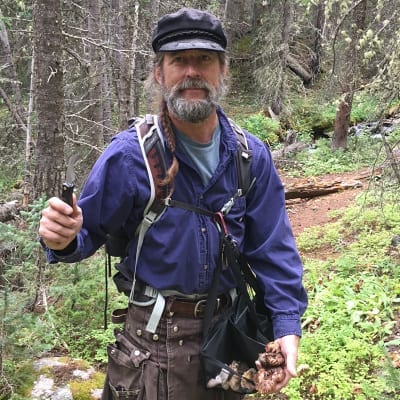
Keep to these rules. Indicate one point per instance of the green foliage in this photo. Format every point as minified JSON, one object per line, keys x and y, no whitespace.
{"x":309,"y":114}
{"x":312,"y":113}
{"x":365,"y":108}
{"x":351,"y":298}
{"x":394,"y":138}
{"x":79,"y":310}
{"x":320,"y":159}
{"x":264,"y":128}
{"x":23,"y":377}
{"x":6,"y":184}
{"x":74,"y":294}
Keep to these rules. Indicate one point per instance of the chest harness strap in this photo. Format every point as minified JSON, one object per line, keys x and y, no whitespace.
{"x":152,"y":146}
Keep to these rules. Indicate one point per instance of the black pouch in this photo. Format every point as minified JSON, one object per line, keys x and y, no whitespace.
{"x":123,"y":279}
{"x":233,"y":340}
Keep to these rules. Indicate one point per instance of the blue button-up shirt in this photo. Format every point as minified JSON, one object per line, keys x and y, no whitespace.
{"x":181,"y":250}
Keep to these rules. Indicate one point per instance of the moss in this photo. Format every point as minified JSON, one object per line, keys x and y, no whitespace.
{"x":24,"y":378}
{"x":81,"y":390}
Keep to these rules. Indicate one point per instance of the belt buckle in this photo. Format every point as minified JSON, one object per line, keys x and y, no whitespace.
{"x":203,"y":302}
{"x":197,"y":307}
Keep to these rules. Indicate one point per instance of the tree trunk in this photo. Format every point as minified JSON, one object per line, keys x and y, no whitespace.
{"x":155,"y":8}
{"x":287,"y":17}
{"x":122,"y":61}
{"x":342,"y":121}
{"x":135,"y":63}
{"x":96,"y":72}
{"x":107,"y":87}
{"x":350,"y":76}
{"x":315,"y":64}
{"x":28,"y":138}
{"x":18,"y":109}
{"x":234,"y":15}
{"x":47,"y":28}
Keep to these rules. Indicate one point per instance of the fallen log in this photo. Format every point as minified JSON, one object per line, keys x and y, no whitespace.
{"x":308,"y":189}
{"x":295,"y":66}
{"x":8,"y":210}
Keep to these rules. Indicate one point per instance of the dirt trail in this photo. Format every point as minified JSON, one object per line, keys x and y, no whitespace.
{"x":304,"y":213}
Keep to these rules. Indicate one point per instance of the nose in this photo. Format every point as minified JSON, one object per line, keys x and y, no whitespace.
{"x":192,"y":69}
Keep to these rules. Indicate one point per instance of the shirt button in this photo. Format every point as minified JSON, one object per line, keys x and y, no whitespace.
{"x":203,"y":230}
{"x":138,"y":332}
{"x":181,"y":343}
{"x":155,"y":337}
{"x":205,"y":267}
{"x":175,"y":329}
{"x":136,"y":353}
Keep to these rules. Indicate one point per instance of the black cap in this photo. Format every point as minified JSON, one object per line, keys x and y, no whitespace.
{"x":188,"y":29}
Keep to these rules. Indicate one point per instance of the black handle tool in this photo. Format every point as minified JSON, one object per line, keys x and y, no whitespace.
{"x":66,"y":193}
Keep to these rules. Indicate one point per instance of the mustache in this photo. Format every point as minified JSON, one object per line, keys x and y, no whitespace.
{"x":192,"y":83}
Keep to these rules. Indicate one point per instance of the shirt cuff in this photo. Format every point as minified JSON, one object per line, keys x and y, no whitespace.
{"x":284,"y":325}
{"x":69,"y":254}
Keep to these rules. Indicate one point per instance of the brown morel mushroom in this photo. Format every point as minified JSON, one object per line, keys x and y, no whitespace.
{"x":270,"y":368}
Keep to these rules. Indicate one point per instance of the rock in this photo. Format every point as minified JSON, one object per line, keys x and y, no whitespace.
{"x":395,"y":241}
{"x":56,"y":374}
{"x":47,"y":362}
{"x":44,"y":388}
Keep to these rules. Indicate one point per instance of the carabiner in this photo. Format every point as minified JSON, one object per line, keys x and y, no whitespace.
{"x":220,"y":222}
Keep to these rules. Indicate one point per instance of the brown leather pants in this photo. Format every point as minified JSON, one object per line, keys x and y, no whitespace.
{"x":160,"y":366}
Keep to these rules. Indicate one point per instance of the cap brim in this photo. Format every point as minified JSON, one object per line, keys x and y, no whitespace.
{"x":190,"y":44}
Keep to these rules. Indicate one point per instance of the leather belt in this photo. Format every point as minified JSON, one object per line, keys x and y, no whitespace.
{"x":180,"y":308}
{"x":194,"y":309}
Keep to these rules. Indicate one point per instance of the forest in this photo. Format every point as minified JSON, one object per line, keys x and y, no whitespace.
{"x":318,"y":80}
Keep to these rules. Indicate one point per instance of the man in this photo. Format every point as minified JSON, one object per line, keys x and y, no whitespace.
{"x":181,"y":250}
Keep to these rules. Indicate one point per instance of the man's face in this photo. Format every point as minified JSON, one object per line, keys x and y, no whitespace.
{"x":192,"y":83}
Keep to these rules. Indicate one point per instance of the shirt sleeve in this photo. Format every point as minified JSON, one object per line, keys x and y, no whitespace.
{"x":270,"y":247}
{"x":106,"y":199}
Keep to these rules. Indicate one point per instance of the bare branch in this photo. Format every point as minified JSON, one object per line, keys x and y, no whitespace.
{"x":17,"y":118}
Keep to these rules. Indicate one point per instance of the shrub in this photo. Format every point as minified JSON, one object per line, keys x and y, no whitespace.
{"x":264,"y":128}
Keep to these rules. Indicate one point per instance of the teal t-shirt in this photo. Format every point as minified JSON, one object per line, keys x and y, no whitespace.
{"x":205,"y":156}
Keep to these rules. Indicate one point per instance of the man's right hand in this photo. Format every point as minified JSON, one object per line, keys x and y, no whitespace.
{"x":60,"y":223}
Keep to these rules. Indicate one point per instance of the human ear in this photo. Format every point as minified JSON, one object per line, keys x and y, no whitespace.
{"x":158,"y":75}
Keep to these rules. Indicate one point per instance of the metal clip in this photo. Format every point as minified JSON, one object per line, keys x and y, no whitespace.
{"x":219,"y":220}
{"x":226,"y":208}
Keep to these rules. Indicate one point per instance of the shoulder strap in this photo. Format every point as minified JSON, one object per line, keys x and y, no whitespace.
{"x":243,"y":160}
{"x":152,"y":146}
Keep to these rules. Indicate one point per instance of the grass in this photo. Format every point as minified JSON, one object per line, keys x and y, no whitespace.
{"x":352,"y":305}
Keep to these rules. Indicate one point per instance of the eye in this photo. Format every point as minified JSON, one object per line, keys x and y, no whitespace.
{"x":206,"y":57}
{"x":177,"y":59}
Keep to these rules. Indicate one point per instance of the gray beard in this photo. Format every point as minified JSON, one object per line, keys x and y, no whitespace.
{"x":193,"y":110}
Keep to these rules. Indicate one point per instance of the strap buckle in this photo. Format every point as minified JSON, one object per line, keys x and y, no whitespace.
{"x":197,"y":308}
